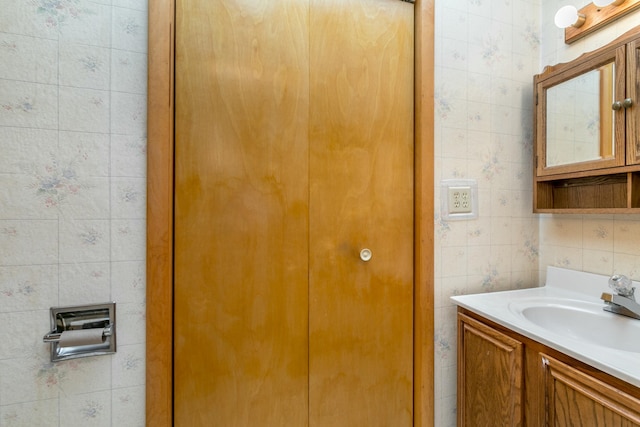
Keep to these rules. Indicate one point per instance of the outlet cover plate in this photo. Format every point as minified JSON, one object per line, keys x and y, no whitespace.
{"x":459,"y":199}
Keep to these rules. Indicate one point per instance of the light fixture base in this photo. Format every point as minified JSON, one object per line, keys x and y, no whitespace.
{"x":597,"y":17}
{"x":605,"y":3}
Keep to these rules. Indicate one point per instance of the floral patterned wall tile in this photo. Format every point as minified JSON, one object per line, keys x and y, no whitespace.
{"x":128,"y":197}
{"x":128,"y":155}
{"x":128,"y":239}
{"x":28,"y":242}
{"x":29,"y":378}
{"x":84,"y":110}
{"x":129,"y":30}
{"x":84,"y":153}
{"x":84,"y":281}
{"x":133,"y":315}
{"x":596,"y":261}
{"x":81,"y":21}
{"x":131,"y":4}
{"x":486,"y":55}
{"x":20,"y":199}
{"x":35,"y":413}
{"x":26,"y":332}
{"x":28,"y":58}
{"x":80,"y":410}
{"x":84,"y":240}
{"x":125,"y":75}
{"x":128,"y":366}
{"x":128,"y":406}
{"x":72,"y":196}
{"x":26,"y":288}
{"x":80,"y":376}
{"x":85,"y":66}
{"x":128,"y":281}
{"x":38,"y":18}
{"x":128,"y":113}
{"x":626,"y":264}
{"x":26,"y":104}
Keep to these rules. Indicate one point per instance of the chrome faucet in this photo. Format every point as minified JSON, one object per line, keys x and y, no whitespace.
{"x":622,"y":301}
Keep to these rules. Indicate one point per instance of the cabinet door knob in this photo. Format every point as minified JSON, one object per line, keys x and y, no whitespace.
{"x":628,"y":102}
{"x":365,"y":254}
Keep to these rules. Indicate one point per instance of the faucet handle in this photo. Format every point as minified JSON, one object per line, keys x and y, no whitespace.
{"x":622,"y":285}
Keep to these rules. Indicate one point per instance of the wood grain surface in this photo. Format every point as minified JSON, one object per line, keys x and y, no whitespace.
{"x":241,"y":213}
{"x":361,"y":196}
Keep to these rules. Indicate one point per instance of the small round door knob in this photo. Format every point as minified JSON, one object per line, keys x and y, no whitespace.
{"x":365,"y":254}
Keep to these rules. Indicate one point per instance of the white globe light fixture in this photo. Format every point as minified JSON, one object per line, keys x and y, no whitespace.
{"x":568,"y":16}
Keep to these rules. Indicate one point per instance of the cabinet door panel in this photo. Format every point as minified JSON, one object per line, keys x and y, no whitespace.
{"x":576,"y":399}
{"x":490,"y":376}
{"x":633,"y":92}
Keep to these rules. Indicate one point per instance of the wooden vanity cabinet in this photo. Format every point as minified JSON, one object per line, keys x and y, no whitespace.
{"x":611,"y":183}
{"x":490,"y":376}
{"x":507,"y":379}
{"x":575,"y":398}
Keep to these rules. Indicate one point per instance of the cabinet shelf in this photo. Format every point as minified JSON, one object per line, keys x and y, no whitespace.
{"x":603,"y":193}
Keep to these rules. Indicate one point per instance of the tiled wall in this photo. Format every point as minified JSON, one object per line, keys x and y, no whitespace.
{"x":72,"y":204}
{"x":486,"y":55}
{"x":601,"y":244}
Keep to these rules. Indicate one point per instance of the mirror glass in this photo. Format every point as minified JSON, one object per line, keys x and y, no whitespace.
{"x":579,"y":118}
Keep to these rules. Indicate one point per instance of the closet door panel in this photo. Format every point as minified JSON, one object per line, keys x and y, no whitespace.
{"x":241,"y":213}
{"x":294,"y":151}
{"x":361,"y":196}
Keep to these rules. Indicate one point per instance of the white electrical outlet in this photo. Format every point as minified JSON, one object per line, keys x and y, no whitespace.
{"x":459,"y":200}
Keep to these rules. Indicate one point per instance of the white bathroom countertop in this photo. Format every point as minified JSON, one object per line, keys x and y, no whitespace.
{"x":568,"y":287}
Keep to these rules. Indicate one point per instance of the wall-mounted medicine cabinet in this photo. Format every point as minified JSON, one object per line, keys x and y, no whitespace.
{"x":587,"y":125}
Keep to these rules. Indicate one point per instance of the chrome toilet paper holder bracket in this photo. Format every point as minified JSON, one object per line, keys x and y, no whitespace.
{"x":92,"y":329}
{"x":54,"y":336}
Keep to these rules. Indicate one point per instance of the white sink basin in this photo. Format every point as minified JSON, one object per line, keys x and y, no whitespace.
{"x":583,"y":321}
{"x":566,"y":314}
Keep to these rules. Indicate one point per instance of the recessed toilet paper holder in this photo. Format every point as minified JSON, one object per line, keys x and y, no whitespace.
{"x":82,"y":331}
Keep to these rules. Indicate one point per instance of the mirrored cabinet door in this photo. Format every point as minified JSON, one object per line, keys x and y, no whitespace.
{"x":579,"y":126}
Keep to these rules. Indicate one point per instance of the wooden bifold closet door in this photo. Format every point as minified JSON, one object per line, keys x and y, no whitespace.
{"x":293,"y":153}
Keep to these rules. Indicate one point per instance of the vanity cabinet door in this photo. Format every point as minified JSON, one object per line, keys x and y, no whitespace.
{"x":490,"y":376}
{"x":633,"y":93}
{"x":574,"y":398}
